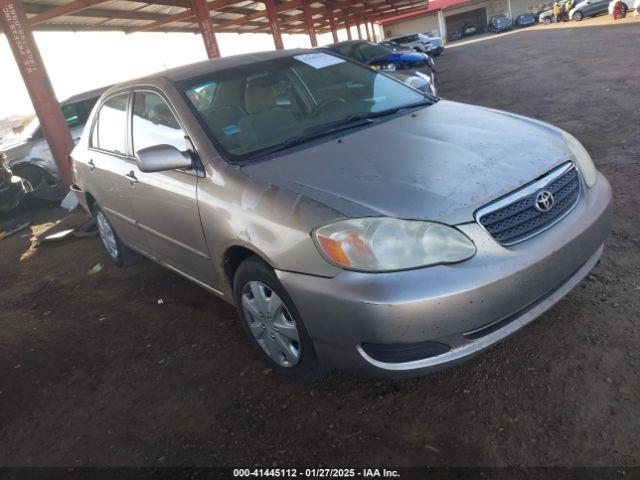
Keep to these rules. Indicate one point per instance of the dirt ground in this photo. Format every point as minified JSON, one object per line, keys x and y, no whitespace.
{"x":93,"y":371}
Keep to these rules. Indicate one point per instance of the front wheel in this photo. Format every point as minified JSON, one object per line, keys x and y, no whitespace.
{"x":273,"y":324}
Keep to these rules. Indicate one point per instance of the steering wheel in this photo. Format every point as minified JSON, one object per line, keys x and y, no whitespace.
{"x":324,"y":104}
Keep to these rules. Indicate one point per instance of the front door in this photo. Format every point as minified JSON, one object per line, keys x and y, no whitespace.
{"x":106,"y":158}
{"x":165,"y":204}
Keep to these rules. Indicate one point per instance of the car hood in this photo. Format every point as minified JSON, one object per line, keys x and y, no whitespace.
{"x":441,"y":164}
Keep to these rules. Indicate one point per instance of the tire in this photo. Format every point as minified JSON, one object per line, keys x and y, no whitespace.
{"x":289,"y":354}
{"x":546,"y":20}
{"x":118,"y":252}
{"x":578,"y":16}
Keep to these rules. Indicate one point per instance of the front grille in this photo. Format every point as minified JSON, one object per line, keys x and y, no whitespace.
{"x":521,"y":219}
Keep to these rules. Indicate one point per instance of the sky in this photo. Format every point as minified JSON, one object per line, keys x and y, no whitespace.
{"x":82,"y":61}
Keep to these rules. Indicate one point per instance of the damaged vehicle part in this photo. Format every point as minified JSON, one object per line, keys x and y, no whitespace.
{"x":12,"y":187}
{"x":354,"y":222}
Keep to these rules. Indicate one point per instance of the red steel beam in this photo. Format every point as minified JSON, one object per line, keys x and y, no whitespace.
{"x":272,"y":16}
{"x":311,"y":29}
{"x":15,"y":25}
{"x":205,"y":25}
{"x":359,"y":31}
{"x":366,"y":26}
{"x":332,"y":23}
{"x":66,"y":9}
{"x":348,"y":27}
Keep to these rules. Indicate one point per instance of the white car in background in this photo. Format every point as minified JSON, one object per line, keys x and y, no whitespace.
{"x":420,"y":42}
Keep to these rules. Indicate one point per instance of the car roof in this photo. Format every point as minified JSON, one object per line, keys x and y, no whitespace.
{"x":348,"y":42}
{"x":85,"y":95}
{"x":205,"y":67}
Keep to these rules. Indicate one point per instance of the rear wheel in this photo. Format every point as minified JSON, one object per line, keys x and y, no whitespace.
{"x":117,"y":251}
{"x":578,"y":16}
{"x":546,"y":20}
{"x":273,"y":324}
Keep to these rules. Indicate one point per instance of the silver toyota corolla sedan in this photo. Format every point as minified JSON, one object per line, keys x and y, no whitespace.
{"x":355,"y":222}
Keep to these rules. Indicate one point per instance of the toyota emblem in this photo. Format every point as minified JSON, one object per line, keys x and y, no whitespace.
{"x":544,"y":201}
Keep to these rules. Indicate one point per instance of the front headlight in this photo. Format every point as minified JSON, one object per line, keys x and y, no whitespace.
{"x":583,"y":159}
{"x":382,"y":244}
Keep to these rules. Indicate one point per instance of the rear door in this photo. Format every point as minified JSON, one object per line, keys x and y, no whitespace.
{"x":165,"y":204}
{"x":108,"y":151}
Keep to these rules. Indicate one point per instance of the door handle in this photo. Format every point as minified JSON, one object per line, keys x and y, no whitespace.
{"x":92,"y":166}
{"x":132,"y":177}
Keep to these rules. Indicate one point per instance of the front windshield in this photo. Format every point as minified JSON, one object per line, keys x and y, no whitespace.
{"x":253,"y":108}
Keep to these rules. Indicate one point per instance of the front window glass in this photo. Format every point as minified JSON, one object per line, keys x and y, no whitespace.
{"x":263,"y":105}
{"x":110,"y":129}
{"x":154,"y":123}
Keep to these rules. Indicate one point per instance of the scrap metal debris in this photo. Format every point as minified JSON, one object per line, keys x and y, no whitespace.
{"x":97,"y":268}
{"x":13,"y":226}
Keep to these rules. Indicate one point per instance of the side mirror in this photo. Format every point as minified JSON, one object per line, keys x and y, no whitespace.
{"x":159,"y":158}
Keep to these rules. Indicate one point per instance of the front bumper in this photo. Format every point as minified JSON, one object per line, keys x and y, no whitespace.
{"x":468,"y":306}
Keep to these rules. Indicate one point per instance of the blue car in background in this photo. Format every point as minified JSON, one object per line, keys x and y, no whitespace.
{"x":414,"y":68}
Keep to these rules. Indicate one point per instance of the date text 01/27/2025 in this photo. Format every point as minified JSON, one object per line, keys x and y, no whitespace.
{"x":315,"y":473}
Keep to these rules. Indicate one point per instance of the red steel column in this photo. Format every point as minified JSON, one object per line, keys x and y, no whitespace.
{"x":272,"y":16}
{"x":366,"y":26}
{"x":311,"y":29}
{"x":332,"y":23}
{"x":348,"y":27}
{"x":201,"y":9}
{"x":359,"y":31}
{"x":54,"y":126}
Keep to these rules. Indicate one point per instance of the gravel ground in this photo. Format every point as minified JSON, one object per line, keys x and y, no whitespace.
{"x":93,"y":371}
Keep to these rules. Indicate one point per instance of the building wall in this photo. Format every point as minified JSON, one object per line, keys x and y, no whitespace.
{"x":423,"y":24}
{"x":518,"y":7}
{"x":429,"y":23}
{"x":493,"y":7}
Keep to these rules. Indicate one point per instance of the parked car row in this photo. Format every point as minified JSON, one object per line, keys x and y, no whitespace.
{"x":413,"y":68}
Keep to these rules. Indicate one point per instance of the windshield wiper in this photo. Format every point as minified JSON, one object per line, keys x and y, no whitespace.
{"x":352,"y":121}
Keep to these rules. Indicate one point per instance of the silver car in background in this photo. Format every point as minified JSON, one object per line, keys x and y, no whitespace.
{"x":354,"y":222}
{"x":29,"y":155}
